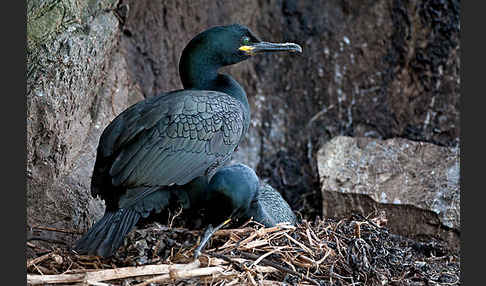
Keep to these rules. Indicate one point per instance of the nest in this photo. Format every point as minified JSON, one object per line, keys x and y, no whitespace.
{"x":351,"y":251}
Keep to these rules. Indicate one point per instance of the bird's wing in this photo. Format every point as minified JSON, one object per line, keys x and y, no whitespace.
{"x":169,"y":139}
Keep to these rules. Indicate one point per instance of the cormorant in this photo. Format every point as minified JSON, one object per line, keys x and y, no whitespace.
{"x":167,"y":141}
{"x":235,"y":191}
{"x":235,"y":194}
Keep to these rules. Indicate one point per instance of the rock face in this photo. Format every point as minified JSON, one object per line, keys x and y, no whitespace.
{"x":417,"y":184}
{"x":378,"y":69}
{"x":76,"y":83}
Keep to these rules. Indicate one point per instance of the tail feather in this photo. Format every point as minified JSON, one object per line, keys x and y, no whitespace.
{"x":124,"y":228}
{"x":106,"y":235}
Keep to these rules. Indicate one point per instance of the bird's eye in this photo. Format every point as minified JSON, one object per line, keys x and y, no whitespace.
{"x":245,"y":40}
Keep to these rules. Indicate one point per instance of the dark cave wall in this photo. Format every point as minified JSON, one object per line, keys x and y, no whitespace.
{"x":380,"y":69}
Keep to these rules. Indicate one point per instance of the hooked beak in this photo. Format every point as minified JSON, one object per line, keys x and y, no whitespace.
{"x":265,"y":47}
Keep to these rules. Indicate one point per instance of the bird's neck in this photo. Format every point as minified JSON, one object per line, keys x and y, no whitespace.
{"x":198,"y":73}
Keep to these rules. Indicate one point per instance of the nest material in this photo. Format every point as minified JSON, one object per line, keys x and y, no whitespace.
{"x":353,"y":251}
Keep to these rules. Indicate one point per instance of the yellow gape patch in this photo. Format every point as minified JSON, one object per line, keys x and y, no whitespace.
{"x":246,"y":49}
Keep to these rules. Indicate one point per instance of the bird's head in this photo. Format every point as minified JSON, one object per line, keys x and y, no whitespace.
{"x":227,"y":45}
{"x":233,"y":188}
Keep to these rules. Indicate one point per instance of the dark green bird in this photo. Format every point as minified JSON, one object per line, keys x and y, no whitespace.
{"x":236,"y":192}
{"x":163,"y":143}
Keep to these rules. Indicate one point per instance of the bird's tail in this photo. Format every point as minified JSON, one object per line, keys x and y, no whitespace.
{"x":107,"y":235}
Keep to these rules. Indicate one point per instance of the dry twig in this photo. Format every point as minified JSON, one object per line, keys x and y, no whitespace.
{"x":109,"y":274}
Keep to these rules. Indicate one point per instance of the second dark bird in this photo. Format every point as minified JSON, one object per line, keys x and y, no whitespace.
{"x":236,"y":192}
{"x":165,"y":142}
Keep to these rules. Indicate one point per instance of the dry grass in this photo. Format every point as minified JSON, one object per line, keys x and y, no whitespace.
{"x":351,"y":251}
